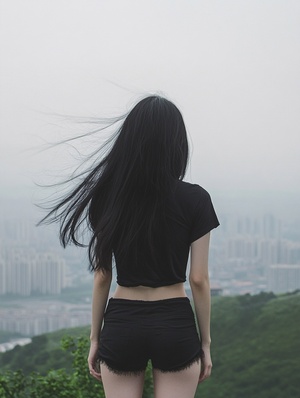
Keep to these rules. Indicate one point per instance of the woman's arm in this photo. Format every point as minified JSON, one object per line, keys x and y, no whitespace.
{"x":199,"y":282}
{"x":102,"y":282}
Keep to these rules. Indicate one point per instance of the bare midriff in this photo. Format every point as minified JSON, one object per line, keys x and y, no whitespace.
{"x":150,"y":293}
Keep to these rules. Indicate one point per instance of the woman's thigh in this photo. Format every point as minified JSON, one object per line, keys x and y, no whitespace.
{"x":177,"y":384}
{"x":122,"y":385}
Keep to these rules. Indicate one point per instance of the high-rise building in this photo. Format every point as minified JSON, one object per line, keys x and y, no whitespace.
{"x":24,"y":271}
{"x":2,"y":277}
{"x":49,"y":274}
{"x":283,"y":278}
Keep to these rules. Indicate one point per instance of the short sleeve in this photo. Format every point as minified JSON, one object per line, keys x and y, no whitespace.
{"x":204,"y":215}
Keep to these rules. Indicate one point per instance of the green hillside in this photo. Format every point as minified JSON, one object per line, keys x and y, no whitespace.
{"x":255,"y":348}
{"x":43,"y":354}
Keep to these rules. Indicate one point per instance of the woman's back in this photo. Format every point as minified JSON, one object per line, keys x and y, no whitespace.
{"x":189,"y":214}
{"x":142,"y":215}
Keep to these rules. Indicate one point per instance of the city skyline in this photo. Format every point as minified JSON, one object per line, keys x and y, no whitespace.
{"x":242,"y":247}
{"x":248,"y":254}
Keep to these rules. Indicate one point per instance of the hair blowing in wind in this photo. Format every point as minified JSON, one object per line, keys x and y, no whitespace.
{"x":121,"y":199}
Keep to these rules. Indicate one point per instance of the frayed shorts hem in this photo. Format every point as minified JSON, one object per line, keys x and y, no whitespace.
{"x":128,"y":372}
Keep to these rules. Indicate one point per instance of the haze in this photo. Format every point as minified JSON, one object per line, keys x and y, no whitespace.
{"x":232,"y":67}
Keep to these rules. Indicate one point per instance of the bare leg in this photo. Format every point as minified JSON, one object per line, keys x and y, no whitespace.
{"x":122,"y":386}
{"x":177,"y":384}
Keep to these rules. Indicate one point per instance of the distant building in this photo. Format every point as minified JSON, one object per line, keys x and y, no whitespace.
{"x":283,"y":278}
{"x":42,"y":317}
{"x":23,"y":271}
{"x":48,"y":275}
{"x":2,"y":277}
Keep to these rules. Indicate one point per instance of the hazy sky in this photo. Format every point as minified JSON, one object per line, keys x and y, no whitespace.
{"x":232,"y":67}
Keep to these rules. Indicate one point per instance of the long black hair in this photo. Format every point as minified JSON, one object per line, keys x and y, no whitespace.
{"x":122,"y":197}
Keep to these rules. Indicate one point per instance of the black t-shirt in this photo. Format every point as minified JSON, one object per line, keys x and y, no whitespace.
{"x":190,"y":215}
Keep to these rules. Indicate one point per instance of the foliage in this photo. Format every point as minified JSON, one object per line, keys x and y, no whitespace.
{"x":56,"y":383}
{"x":59,"y":383}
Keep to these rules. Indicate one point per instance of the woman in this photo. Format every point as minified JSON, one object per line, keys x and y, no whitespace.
{"x":145,"y":219}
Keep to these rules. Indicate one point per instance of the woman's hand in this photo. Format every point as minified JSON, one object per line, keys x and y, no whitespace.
{"x":92,"y":360}
{"x":206,"y":363}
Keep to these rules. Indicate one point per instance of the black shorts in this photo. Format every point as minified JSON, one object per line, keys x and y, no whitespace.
{"x":162,"y":331}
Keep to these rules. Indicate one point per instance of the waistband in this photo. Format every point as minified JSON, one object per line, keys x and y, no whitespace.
{"x":174,"y":300}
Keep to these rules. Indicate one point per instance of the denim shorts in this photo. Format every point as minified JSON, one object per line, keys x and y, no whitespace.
{"x":162,"y":331}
